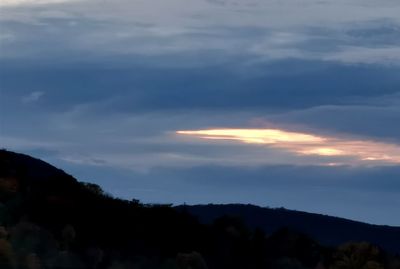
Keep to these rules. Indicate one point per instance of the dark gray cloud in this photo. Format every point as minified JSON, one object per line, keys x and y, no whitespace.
{"x":377,"y":121}
{"x":283,"y":84}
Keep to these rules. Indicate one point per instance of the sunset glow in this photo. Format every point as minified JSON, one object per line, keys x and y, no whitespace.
{"x":303,"y":144}
{"x":257,"y":136}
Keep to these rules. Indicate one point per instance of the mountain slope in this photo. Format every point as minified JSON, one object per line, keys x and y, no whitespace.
{"x":326,"y":229}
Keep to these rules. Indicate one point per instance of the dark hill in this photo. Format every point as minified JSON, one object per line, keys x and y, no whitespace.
{"x":48,"y":219}
{"x":326,"y":229}
{"x":16,"y":164}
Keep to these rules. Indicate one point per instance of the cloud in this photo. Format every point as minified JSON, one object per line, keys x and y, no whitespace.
{"x":364,"y":55}
{"x":142,"y":87}
{"x":30,"y":2}
{"x":257,"y":30}
{"x":6,"y":37}
{"x":302,"y":144}
{"x":32,"y":97}
{"x":373,"y":117}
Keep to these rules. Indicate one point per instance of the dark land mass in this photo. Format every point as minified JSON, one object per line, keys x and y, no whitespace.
{"x":330,"y":231}
{"x":48,"y":219}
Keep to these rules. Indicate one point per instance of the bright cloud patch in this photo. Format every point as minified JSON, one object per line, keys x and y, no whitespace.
{"x":301,"y":144}
{"x":29,"y":2}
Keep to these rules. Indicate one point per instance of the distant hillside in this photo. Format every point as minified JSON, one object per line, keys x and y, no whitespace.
{"x":326,"y":229}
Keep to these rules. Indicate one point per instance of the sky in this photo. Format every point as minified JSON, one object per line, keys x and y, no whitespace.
{"x":278,"y":103}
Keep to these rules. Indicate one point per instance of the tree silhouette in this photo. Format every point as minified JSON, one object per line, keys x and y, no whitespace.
{"x":357,"y":256}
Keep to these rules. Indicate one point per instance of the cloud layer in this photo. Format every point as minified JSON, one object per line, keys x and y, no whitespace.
{"x":100,"y":88}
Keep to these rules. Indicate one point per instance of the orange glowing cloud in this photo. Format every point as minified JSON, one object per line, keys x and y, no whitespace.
{"x":302,"y":144}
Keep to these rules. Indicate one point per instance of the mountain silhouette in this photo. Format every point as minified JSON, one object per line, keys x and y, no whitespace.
{"x":327,"y":230}
{"x":48,"y":219}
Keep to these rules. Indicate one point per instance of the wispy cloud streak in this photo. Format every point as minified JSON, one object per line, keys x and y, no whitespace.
{"x":303,"y":144}
{"x":29,"y":2}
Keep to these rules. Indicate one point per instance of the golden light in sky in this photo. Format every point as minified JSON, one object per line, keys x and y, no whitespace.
{"x":303,"y":144}
{"x":258,"y":136}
